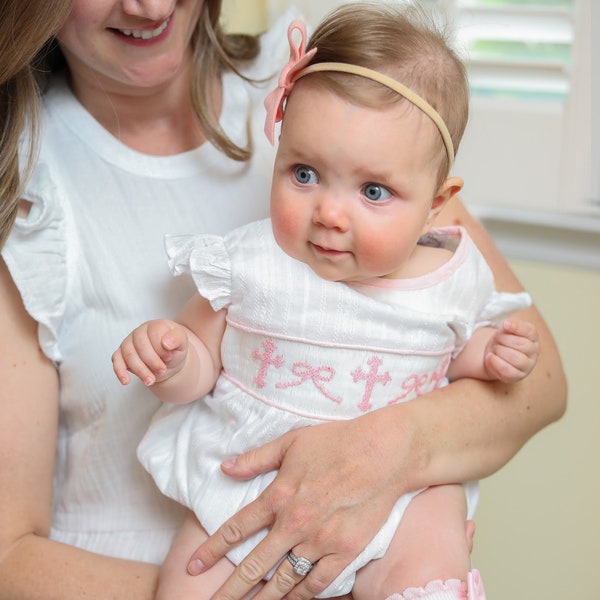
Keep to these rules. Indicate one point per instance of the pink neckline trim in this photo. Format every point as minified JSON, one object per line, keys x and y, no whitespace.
{"x":429,"y":279}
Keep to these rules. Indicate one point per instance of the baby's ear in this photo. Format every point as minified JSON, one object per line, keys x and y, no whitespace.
{"x":449,"y":188}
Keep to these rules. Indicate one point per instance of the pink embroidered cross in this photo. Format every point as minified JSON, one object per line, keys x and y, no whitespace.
{"x":266,"y":359}
{"x":371,"y":378}
{"x":317,"y":375}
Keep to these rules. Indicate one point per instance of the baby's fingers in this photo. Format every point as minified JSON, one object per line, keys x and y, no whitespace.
{"x":167,"y":338}
{"x":521,"y":337}
{"x":137,"y":355}
{"x":149,"y":351}
{"x":119,"y":367}
{"x":161,"y":346}
{"x":507,"y":365}
{"x":524,"y":330}
{"x":513,"y":351}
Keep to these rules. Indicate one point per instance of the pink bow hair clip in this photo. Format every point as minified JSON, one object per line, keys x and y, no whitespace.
{"x":299,"y":58}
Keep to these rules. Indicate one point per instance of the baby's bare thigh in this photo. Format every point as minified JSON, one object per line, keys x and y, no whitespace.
{"x":430,"y":543}
{"x":174,"y":580}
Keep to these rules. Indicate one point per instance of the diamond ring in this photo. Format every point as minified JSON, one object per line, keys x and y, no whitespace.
{"x":302,"y":566}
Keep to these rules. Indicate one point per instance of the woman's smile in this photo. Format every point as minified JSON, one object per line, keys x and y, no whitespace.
{"x":146,"y":34}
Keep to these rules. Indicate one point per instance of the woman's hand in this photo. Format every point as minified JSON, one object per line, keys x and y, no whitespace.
{"x":327,"y":502}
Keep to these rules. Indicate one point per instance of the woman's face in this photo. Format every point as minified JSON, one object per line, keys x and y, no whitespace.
{"x":119,"y":44}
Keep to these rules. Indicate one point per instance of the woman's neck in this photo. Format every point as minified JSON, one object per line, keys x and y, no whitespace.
{"x":159,"y":121}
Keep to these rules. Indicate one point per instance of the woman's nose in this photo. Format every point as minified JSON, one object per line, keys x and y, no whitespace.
{"x":153,"y":10}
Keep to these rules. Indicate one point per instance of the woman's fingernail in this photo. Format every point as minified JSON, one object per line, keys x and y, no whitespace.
{"x":195,"y":567}
{"x":229,"y":463}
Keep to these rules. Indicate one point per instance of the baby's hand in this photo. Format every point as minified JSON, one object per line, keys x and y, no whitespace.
{"x":512,"y":351}
{"x":154,"y":352}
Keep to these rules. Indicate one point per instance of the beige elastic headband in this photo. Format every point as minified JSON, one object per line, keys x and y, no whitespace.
{"x":394,"y":85}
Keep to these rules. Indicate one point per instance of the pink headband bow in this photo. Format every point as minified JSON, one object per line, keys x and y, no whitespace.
{"x":297,"y":68}
{"x":299,"y":58}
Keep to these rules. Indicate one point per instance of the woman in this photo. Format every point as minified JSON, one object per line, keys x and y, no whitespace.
{"x":129,"y":154}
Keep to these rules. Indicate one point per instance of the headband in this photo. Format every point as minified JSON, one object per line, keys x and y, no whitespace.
{"x":297,"y":67}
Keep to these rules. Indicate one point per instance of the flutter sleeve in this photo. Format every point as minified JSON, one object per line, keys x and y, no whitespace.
{"x":36,"y":256}
{"x":489,"y":308}
{"x":207,"y":260}
{"x":500,"y":306}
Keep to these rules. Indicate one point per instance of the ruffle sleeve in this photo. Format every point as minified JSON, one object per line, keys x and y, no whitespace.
{"x":500,"y":306}
{"x":36,"y":256}
{"x":208,"y":261}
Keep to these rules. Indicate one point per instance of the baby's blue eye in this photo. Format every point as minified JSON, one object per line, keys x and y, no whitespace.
{"x":305,"y":175}
{"x":376,"y":193}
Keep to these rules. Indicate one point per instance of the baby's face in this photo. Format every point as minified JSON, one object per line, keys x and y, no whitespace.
{"x":352,"y":186}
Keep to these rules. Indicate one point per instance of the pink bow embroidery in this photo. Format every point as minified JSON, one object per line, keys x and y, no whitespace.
{"x":298,"y":60}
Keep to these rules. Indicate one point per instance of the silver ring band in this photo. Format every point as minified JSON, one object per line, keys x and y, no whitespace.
{"x":302,"y":566}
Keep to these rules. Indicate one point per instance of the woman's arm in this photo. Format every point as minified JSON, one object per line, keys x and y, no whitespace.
{"x":507,"y":415}
{"x":337,"y":482}
{"x":31,"y":565}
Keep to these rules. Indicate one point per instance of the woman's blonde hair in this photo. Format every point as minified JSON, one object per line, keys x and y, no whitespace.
{"x":216,"y":52}
{"x":402,"y":42}
{"x":24,"y":27}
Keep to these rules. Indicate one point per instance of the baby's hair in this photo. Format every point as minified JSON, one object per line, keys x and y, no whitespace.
{"x":402,"y":42}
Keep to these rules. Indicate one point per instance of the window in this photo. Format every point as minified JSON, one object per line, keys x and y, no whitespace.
{"x":529,"y":158}
{"x":519,"y":55}
{"x":517,"y":48}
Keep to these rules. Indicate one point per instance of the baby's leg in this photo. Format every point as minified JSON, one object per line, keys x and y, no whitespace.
{"x":174,"y":580}
{"x":431,"y":543}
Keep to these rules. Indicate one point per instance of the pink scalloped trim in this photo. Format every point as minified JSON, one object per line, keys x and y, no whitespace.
{"x":444,"y":590}
{"x":456,"y":586}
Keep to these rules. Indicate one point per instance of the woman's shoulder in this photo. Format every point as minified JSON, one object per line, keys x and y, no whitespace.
{"x":36,"y":256}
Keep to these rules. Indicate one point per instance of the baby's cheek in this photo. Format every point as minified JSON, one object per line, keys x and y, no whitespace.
{"x":372,"y":247}
{"x":378,"y":255}
{"x":283,"y":222}
{"x":286,"y":229}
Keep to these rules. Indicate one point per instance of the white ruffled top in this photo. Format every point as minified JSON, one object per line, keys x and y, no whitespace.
{"x":300,"y":350}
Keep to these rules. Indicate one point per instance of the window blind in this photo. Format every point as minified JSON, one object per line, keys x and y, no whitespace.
{"x":518,"y":48}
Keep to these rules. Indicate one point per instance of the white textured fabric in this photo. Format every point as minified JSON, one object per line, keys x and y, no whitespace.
{"x":90,"y":265}
{"x":299,"y":350}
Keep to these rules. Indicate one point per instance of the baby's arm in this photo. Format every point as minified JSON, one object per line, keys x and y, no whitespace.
{"x":179,"y":360}
{"x":506,"y":354}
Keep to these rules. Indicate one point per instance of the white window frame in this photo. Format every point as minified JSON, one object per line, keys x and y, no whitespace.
{"x":532,"y":170}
